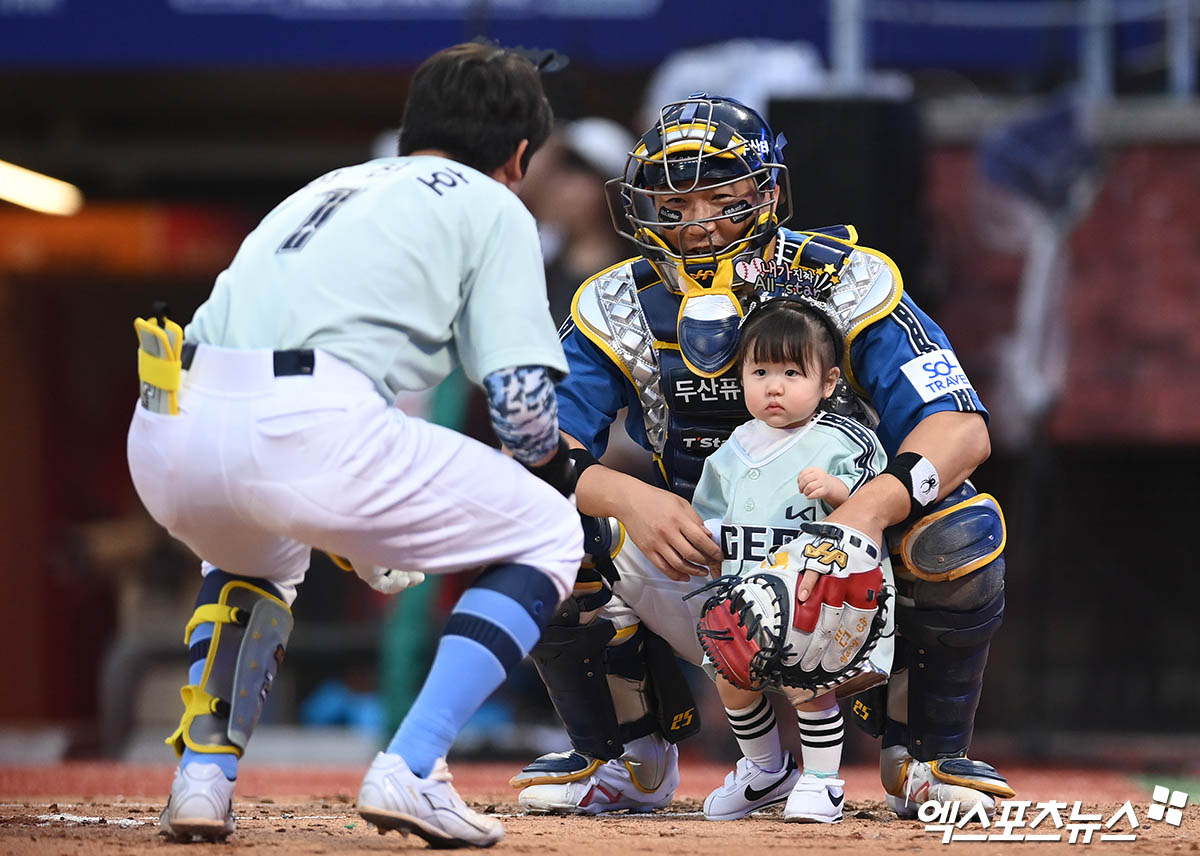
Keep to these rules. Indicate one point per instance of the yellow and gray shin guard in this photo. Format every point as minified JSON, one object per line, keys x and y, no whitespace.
{"x":250,"y":633}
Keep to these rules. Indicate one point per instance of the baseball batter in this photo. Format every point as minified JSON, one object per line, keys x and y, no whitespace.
{"x":266,"y":429}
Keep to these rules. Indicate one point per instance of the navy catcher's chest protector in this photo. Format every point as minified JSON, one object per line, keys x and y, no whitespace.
{"x":701,"y":412}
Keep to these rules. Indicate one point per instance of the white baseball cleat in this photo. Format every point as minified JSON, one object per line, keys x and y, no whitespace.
{"x":910,"y":782}
{"x":639,"y":784}
{"x":394,"y":797}
{"x":815,"y":800}
{"x":200,"y":804}
{"x":749,"y":787}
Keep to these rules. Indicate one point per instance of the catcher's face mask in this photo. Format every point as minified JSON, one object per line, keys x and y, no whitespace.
{"x":703,"y":187}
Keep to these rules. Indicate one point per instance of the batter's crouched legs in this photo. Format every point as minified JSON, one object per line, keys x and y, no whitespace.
{"x":492,"y":627}
{"x":948,"y":610}
{"x":624,"y":701}
{"x":236,"y":640}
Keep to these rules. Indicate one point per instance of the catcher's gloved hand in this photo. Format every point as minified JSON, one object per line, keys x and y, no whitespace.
{"x":758,"y":634}
{"x":386,"y":580}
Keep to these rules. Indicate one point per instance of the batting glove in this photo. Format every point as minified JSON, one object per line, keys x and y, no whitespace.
{"x":389,"y":580}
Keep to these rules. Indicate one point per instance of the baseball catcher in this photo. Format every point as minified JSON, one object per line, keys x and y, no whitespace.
{"x":705,"y":196}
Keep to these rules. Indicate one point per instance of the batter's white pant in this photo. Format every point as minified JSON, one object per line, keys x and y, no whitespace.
{"x":255,"y":470}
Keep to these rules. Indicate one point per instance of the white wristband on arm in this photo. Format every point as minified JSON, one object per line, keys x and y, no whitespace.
{"x":920,"y":478}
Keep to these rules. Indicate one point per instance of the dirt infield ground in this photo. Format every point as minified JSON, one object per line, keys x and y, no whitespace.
{"x":87,"y":809}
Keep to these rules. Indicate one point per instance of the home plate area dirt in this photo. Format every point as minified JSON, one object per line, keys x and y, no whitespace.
{"x":83,"y":809}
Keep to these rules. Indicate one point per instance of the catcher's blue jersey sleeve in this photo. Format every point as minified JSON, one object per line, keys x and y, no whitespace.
{"x":906,"y":365}
{"x":592,"y":395}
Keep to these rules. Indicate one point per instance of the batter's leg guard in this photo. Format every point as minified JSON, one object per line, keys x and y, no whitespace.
{"x":250,"y":629}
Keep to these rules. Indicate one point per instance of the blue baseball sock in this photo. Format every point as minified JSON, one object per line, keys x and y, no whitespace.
{"x":492,"y":627}
{"x":227,"y":761}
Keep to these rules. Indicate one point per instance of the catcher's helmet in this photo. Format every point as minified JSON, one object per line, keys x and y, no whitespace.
{"x":701,"y":142}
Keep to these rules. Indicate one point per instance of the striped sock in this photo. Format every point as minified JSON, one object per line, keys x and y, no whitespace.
{"x":492,"y":627}
{"x":821,"y":740}
{"x":757,"y":734}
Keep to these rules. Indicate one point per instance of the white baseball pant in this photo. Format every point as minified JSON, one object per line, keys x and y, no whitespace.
{"x":255,"y":470}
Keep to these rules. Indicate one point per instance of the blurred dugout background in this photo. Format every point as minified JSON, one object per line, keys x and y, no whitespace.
{"x":1032,"y":166}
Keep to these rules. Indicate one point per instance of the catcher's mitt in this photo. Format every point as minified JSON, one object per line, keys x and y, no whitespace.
{"x":758,"y":636}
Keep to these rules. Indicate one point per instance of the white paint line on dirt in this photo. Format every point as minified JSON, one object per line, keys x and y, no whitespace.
{"x":83,"y":818}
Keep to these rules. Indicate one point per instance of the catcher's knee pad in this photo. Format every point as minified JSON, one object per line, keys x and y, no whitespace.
{"x":962,"y":534}
{"x":251,"y":625}
{"x":603,"y":538}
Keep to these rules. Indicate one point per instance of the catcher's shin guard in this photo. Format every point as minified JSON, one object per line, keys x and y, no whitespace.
{"x":649,"y":689}
{"x":610,"y":685}
{"x":570,"y":660}
{"x":949,"y":609}
{"x":946,"y":652}
{"x":251,"y":625}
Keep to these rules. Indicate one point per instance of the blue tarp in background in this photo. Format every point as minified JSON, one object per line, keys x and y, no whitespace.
{"x":348,"y":33}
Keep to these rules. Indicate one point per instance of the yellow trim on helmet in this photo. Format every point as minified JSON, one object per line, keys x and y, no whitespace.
{"x":736,"y":147}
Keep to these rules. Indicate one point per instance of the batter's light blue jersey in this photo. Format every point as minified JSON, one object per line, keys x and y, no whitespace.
{"x":403,"y":267}
{"x":749,"y":484}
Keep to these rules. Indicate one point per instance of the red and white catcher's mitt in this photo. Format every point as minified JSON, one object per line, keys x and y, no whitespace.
{"x":758,"y":635}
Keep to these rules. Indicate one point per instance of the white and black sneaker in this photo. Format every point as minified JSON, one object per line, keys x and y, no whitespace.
{"x":750,"y":788}
{"x":815,"y":800}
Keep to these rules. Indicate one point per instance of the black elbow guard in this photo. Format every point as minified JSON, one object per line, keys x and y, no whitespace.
{"x":558,"y":472}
